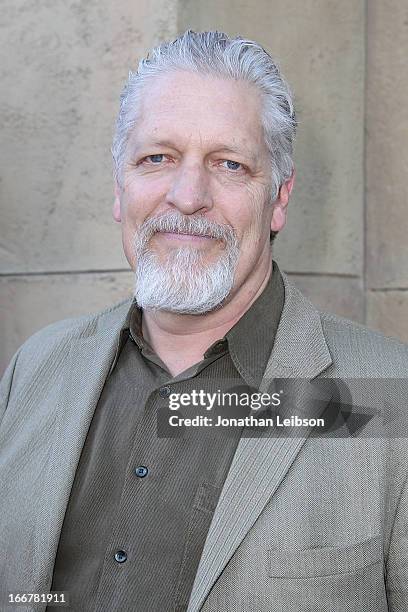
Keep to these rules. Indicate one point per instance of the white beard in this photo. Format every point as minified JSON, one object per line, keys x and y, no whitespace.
{"x":184,"y":283}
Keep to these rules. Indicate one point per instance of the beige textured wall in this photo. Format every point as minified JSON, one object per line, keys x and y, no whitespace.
{"x":387,"y":168}
{"x":65,"y":65}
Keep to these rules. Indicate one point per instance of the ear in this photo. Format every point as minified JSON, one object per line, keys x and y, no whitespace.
{"x":281,"y":203}
{"x":116,"y":204}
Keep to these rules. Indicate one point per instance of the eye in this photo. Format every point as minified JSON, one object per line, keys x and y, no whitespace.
{"x":154,"y":159}
{"x":232,"y":165}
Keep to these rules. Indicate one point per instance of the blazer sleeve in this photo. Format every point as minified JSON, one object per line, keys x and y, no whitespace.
{"x":6,"y":385}
{"x":397,"y":561}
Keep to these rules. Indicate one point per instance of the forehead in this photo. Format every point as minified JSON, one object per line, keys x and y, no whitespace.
{"x":200,"y":110}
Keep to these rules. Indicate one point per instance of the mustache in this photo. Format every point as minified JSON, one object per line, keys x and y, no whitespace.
{"x":175,"y":222}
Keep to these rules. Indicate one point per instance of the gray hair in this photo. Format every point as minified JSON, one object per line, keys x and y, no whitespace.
{"x":217,"y":54}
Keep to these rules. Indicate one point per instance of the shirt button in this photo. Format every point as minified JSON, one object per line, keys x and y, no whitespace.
{"x":120,"y":556}
{"x":164,"y":391}
{"x":141,"y":471}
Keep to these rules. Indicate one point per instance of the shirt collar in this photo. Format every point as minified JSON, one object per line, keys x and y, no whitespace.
{"x":251,"y":339}
{"x":249,"y":342}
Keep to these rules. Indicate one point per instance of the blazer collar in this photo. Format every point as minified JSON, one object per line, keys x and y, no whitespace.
{"x":300,"y":348}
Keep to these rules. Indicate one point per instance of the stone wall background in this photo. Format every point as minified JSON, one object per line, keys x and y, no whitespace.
{"x":64,"y":64}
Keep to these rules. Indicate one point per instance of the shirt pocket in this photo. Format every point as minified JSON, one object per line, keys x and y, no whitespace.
{"x":319,"y":562}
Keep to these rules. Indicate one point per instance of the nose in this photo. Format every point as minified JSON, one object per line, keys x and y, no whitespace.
{"x":190,"y":190}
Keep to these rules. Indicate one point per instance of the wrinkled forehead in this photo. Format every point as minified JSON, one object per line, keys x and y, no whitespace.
{"x":200,"y":111}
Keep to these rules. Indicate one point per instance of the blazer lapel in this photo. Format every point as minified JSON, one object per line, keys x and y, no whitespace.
{"x":260,"y":464}
{"x":81,"y":383}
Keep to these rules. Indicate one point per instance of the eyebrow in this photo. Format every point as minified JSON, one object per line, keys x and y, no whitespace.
{"x":162,"y":143}
{"x":235,"y":151}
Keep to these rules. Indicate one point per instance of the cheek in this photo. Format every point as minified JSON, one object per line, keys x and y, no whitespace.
{"x":128,"y":242}
{"x":255,"y":217}
{"x":141,"y":197}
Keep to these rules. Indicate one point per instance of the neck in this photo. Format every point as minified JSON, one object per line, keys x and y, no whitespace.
{"x":181,"y":340}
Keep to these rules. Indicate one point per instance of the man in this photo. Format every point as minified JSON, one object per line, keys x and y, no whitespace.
{"x":101,"y":499}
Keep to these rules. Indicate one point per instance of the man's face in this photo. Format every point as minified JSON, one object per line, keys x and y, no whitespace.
{"x":195,"y":198}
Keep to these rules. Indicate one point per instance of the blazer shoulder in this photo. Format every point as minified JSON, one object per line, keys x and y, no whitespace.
{"x":42,"y":358}
{"x":375,"y":353}
{"x":75,"y":327}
